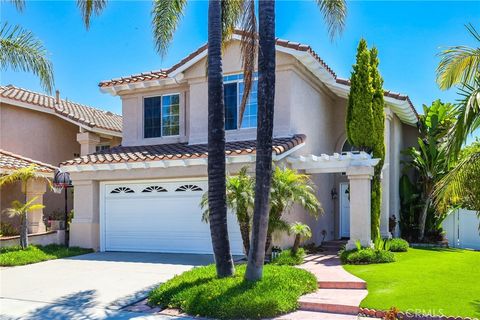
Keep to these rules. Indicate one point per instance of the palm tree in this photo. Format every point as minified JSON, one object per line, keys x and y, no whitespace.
{"x":334,"y":12}
{"x":460,"y":66}
{"x":21,"y":209}
{"x":24,"y":175}
{"x":20,"y":50}
{"x":301,"y":232}
{"x":289,"y":188}
{"x":240,"y":201}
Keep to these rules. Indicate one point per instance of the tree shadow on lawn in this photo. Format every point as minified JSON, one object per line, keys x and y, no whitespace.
{"x":439,"y":249}
{"x":183,"y":286}
{"x":476,"y":306}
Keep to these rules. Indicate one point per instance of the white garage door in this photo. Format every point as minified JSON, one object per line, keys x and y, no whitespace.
{"x":159,"y":217}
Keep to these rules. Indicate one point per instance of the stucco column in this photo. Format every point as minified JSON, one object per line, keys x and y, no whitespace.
{"x":88,"y":141}
{"x":385,"y":211}
{"x":84,"y":229}
{"x":36,"y":188}
{"x":360,"y":206}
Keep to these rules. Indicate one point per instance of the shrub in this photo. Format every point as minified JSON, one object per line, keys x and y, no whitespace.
{"x":366,"y":256}
{"x":200,"y":292}
{"x":398,"y":245}
{"x":7,"y":229}
{"x":288,"y":258}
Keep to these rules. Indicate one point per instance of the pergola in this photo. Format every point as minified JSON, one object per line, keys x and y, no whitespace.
{"x":359,"y":168}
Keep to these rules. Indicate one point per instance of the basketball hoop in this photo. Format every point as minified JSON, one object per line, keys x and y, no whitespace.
{"x":61,"y":180}
{"x":57,"y":188}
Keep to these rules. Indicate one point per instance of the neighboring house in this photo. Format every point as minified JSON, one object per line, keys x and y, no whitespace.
{"x":145,"y":194}
{"x":44,"y":131}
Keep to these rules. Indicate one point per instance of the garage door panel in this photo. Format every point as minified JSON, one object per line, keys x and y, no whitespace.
{"x":159,"y":220}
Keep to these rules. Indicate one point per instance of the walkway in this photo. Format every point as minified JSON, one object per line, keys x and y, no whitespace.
{"x":339,"y":295}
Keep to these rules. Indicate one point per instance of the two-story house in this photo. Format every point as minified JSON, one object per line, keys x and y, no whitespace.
{"x":41,"y":130}
{"x":145,"y":194}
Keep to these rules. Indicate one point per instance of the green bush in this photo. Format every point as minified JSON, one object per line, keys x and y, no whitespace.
{"x":366,"y":256}
{"x":288,"y":258}
{"x":398,"y":245}
{"x":7,"y":229}
{"x":199,"y":292}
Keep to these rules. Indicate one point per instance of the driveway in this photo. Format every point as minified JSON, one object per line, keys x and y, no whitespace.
{"x":91,"y":286}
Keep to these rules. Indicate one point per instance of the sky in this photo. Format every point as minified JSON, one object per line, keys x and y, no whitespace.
{"x":408,"y":35}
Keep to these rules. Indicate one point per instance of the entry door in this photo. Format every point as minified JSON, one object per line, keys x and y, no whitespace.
{"x":344,"y":211}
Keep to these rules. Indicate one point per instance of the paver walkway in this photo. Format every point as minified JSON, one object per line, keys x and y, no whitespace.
{"x":339,"y":293}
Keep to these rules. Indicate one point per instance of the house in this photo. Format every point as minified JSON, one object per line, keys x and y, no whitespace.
{"x":40,"y":130}
{"x":145,"y":194}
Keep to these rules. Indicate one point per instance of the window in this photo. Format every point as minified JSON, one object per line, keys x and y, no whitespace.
{"x":161,"y":116}
{"x":101,"y":147}
{"x":233,"y":93}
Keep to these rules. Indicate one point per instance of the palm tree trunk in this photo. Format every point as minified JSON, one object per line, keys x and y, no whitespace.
{"x":296,"y":244}
{"x":423,"y":218}
{"x":216,"y":145}
{"x":245,"y":233}
{"x":268,"y":242}
{"x":266,"y":98}
{"x":24,"y":224}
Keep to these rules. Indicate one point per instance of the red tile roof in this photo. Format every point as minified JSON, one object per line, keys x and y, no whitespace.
{"x":82,"y":114}
{"x":11,"y":161}
{"x":180,"y":151}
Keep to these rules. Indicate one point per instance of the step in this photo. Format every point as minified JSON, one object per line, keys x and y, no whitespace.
{"x":327,"y":284}
{"x":312,"y":315}
{"x":343,"y":301}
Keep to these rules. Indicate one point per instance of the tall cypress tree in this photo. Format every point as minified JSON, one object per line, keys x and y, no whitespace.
{"x":359,"y":110}
{"x":366,"y":119}
{"x":378,"y":105}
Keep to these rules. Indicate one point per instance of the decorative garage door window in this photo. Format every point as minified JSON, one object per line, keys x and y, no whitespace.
{"x":189,"y":187}
{"x":154,"y":189}
{"x":122,"y":190}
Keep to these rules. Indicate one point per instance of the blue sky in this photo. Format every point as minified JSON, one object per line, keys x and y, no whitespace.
{"x":408,"y":35}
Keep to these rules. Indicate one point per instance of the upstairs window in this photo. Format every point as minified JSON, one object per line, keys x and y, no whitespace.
{"x":233,"y":92}
{"x":161,"y":116}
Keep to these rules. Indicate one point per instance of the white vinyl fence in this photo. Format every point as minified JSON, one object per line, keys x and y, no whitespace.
{"x":461,"y":227}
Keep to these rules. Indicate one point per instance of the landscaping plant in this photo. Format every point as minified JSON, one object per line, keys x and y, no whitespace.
{"x":365,"y":121}
{"x":288,"y":188}
{"x":301,"y":232}
{"x":23,"y":175}
{"x":199,"y":292}
{"x":289,"y":258}
{"x":398,"y":245}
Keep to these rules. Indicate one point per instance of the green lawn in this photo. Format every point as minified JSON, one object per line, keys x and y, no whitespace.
{"x":200,"y":292}
{"x":15,"y":256}
{"x":429,"y":281}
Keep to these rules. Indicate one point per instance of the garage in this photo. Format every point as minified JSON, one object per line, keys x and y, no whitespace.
{"x":158,"y":216}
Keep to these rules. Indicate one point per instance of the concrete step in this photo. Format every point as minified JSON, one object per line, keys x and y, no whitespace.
{"x":312,"y":315}
{"x":342,"y":284}
{"x":342,"y":301}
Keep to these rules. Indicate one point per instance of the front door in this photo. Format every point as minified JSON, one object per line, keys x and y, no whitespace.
{"x":344,"y":210}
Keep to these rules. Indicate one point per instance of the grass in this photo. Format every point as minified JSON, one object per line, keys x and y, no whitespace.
{"x":15,"y":256}
{"x":287,"y":258}
{"x":426,"y":281}
{"x":199,"y":292}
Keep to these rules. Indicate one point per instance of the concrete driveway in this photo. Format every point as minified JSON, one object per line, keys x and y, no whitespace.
{"x":91,"y":286}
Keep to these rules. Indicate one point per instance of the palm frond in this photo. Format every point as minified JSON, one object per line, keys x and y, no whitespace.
{"x":19,"y":4}
{"x":89,"y":8}
{"x":249,"y":51}
{"x":166,"y":15}
{"x":232,"y":11}
{"x":459,"y":64}
{"x":20,"y":50}
{"x":460,"y":185}
{"x":334,"y":13}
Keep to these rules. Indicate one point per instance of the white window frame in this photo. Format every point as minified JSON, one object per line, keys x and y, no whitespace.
{"x":161,"y":122}
{"x":239,"y":100}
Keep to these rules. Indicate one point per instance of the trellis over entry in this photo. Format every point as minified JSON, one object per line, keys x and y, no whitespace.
{"x":359,"y":170}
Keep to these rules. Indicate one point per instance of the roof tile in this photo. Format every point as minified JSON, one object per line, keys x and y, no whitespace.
{"x":12,"y":161}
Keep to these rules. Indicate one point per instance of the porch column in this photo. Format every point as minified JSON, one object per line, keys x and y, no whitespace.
{"x":360,"y":205}
{"x":88,"y":141}
{"x":385,"y":211}
{"x":36,"y":188}
{"x":84,"y":228}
